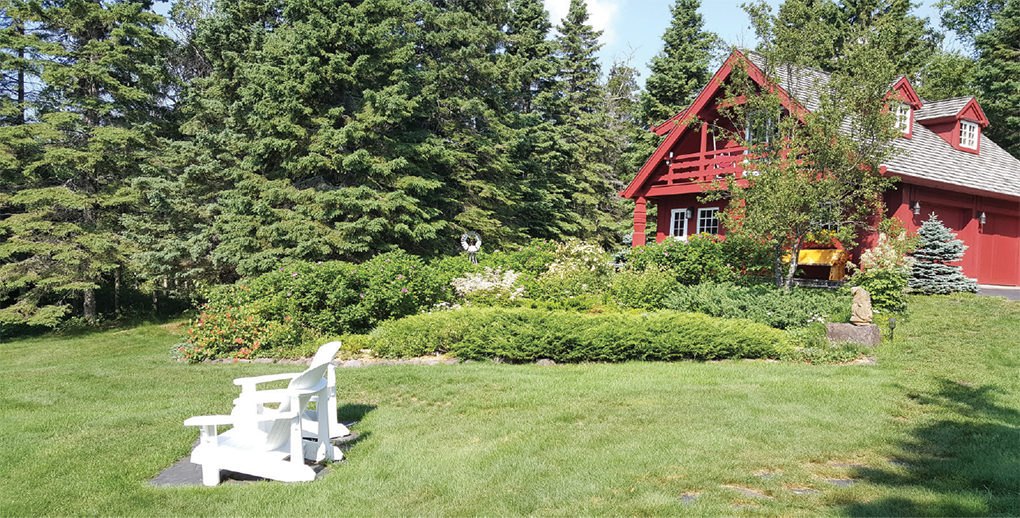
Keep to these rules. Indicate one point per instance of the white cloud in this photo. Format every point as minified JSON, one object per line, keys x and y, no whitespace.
{"x":601,"y":15}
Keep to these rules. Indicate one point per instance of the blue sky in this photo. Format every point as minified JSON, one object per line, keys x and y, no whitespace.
{"x":638,"y":25}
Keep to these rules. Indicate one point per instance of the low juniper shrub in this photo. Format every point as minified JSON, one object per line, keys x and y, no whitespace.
{"x":525,"y":335}
{"x":764,"y":304}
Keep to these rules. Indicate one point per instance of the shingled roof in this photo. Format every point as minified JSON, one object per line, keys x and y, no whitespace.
{"x":926,"y":155}
{"x":943,"y":108}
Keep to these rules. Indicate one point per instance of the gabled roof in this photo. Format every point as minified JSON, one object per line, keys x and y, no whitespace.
{"x":955,"y":108}
{"x":925,"y":157}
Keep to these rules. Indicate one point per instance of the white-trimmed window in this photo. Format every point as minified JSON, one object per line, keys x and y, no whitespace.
{"x":969,"y":135}
{"x":903,"y":118}
{"x":678,"y":224}
{"x":708,"y":220}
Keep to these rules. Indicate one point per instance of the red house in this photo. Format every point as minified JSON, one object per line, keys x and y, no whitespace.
{"x":946,"y":167}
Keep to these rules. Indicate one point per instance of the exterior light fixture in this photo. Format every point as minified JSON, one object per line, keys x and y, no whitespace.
{"x":690,"y":213}
{"x":892,"y":327}
{"x":917,"y":208}
{"x":981,"y":218}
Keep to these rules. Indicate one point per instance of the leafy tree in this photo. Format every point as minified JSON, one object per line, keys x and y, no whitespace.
{"x":969,"y":18}
{"x":680,"y":70}
{"x":937,"y":247}
{"x":819,"y":33}
{"x":809,"y":174}
{"x":947,"y":74}
{"x":86,"y":131}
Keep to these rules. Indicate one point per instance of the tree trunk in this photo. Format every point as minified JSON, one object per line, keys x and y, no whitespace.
{"x":21,"y":76}
{"x":794,"y":262}
{"x":116,"y":292}
{"x":88,"y":308}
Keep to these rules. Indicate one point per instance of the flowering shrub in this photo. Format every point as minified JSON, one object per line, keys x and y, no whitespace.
{"x":489,"y":288}
{"x":275,"y":313}
{"x":703,"y":258}
{"x":580,"y":269}
{"x":884,"y":271}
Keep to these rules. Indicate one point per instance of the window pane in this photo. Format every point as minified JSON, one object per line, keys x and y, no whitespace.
{"x":708,"y":220}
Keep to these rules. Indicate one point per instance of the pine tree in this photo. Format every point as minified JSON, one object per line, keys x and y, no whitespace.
{"x":931,"y":273}
{"x":680,"y":70}
{"x":86,"y":131}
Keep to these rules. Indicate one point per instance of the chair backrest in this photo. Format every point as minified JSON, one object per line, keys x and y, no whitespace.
{"x":317,"y":369}
{"x":279,"y":433}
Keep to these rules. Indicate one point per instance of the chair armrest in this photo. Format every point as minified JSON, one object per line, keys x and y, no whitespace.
{"x":262,"y":397}
{"x":206,"y":420}
{"x":255,"y":380}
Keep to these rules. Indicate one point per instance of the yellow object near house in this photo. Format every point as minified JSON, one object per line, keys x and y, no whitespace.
{"x":829,"y":256}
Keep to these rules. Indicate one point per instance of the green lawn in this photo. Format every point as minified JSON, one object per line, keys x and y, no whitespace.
{"x":86,"y":421}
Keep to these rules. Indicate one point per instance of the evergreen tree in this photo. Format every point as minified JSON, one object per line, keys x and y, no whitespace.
{"x":583,"y":127}
{"x":680,"y":70}
{"x":937,"y":247}
{"x":998,"y":76}
{"x":93,"y":121}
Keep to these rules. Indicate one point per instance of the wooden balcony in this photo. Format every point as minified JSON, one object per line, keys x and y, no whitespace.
{"x":693,"y":172}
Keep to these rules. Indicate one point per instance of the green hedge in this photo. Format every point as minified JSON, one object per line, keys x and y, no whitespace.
{"x":520,"y":335}
{"x":764,"y":304}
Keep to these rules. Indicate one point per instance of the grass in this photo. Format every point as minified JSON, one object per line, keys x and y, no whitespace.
{"x":86,"y":420}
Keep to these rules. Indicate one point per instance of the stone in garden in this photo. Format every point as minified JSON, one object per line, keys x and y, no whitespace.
{"x":545,"y":362}
{"x":861,"y":307}
{"x":868,"y":334}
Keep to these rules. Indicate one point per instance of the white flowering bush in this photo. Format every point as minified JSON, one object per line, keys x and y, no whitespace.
{"x":884,"y":271}
{"x":580,"y":270}
{"x":489,"y":288}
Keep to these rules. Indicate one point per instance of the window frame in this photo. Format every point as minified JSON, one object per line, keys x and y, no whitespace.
{"x":714,"y":212}
{"x":975,"y":133}
{"x":904,"y":118}
{"x":673,"y":223}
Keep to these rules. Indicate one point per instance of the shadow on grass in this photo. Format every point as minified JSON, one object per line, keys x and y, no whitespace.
{"x":964,"y":463}
{"x":353,"y":412}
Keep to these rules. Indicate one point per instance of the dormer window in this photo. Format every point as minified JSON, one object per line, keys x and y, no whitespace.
{"x":903,"y":118}
{"x":969,"y":135}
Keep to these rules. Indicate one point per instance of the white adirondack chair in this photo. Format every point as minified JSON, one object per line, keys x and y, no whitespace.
{"x":267,"y":442}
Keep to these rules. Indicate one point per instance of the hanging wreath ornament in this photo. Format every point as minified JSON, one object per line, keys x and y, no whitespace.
{"x":471,"y":242}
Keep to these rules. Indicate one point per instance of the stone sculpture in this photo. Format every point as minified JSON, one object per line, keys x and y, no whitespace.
{"x":861,"y":308}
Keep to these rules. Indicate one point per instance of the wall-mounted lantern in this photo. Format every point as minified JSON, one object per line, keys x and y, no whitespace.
{"x":917,"y":208}
{"x":982,"y":218}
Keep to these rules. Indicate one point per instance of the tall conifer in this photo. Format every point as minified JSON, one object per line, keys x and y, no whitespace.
{"x":680,"y":70}
{"x":91,"y":125}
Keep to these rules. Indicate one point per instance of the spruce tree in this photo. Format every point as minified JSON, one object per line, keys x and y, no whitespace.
{"x":680,"y":70}
{"x":931,"y":273}
{"x":583,"y":127}
{"x":998,"y":76}
{"x":86,"y":131}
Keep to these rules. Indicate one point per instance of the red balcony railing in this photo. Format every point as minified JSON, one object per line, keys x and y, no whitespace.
{"x":704,"y":167}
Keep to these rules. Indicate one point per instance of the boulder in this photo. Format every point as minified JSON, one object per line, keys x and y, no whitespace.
{"x":868,"y":334}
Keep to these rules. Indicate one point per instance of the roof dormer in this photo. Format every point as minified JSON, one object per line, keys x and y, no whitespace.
{"x":958,"y":121}
{"x":904,"y":102}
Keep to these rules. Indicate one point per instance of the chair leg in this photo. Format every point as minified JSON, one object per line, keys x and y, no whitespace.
{"x":210,"y":469}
